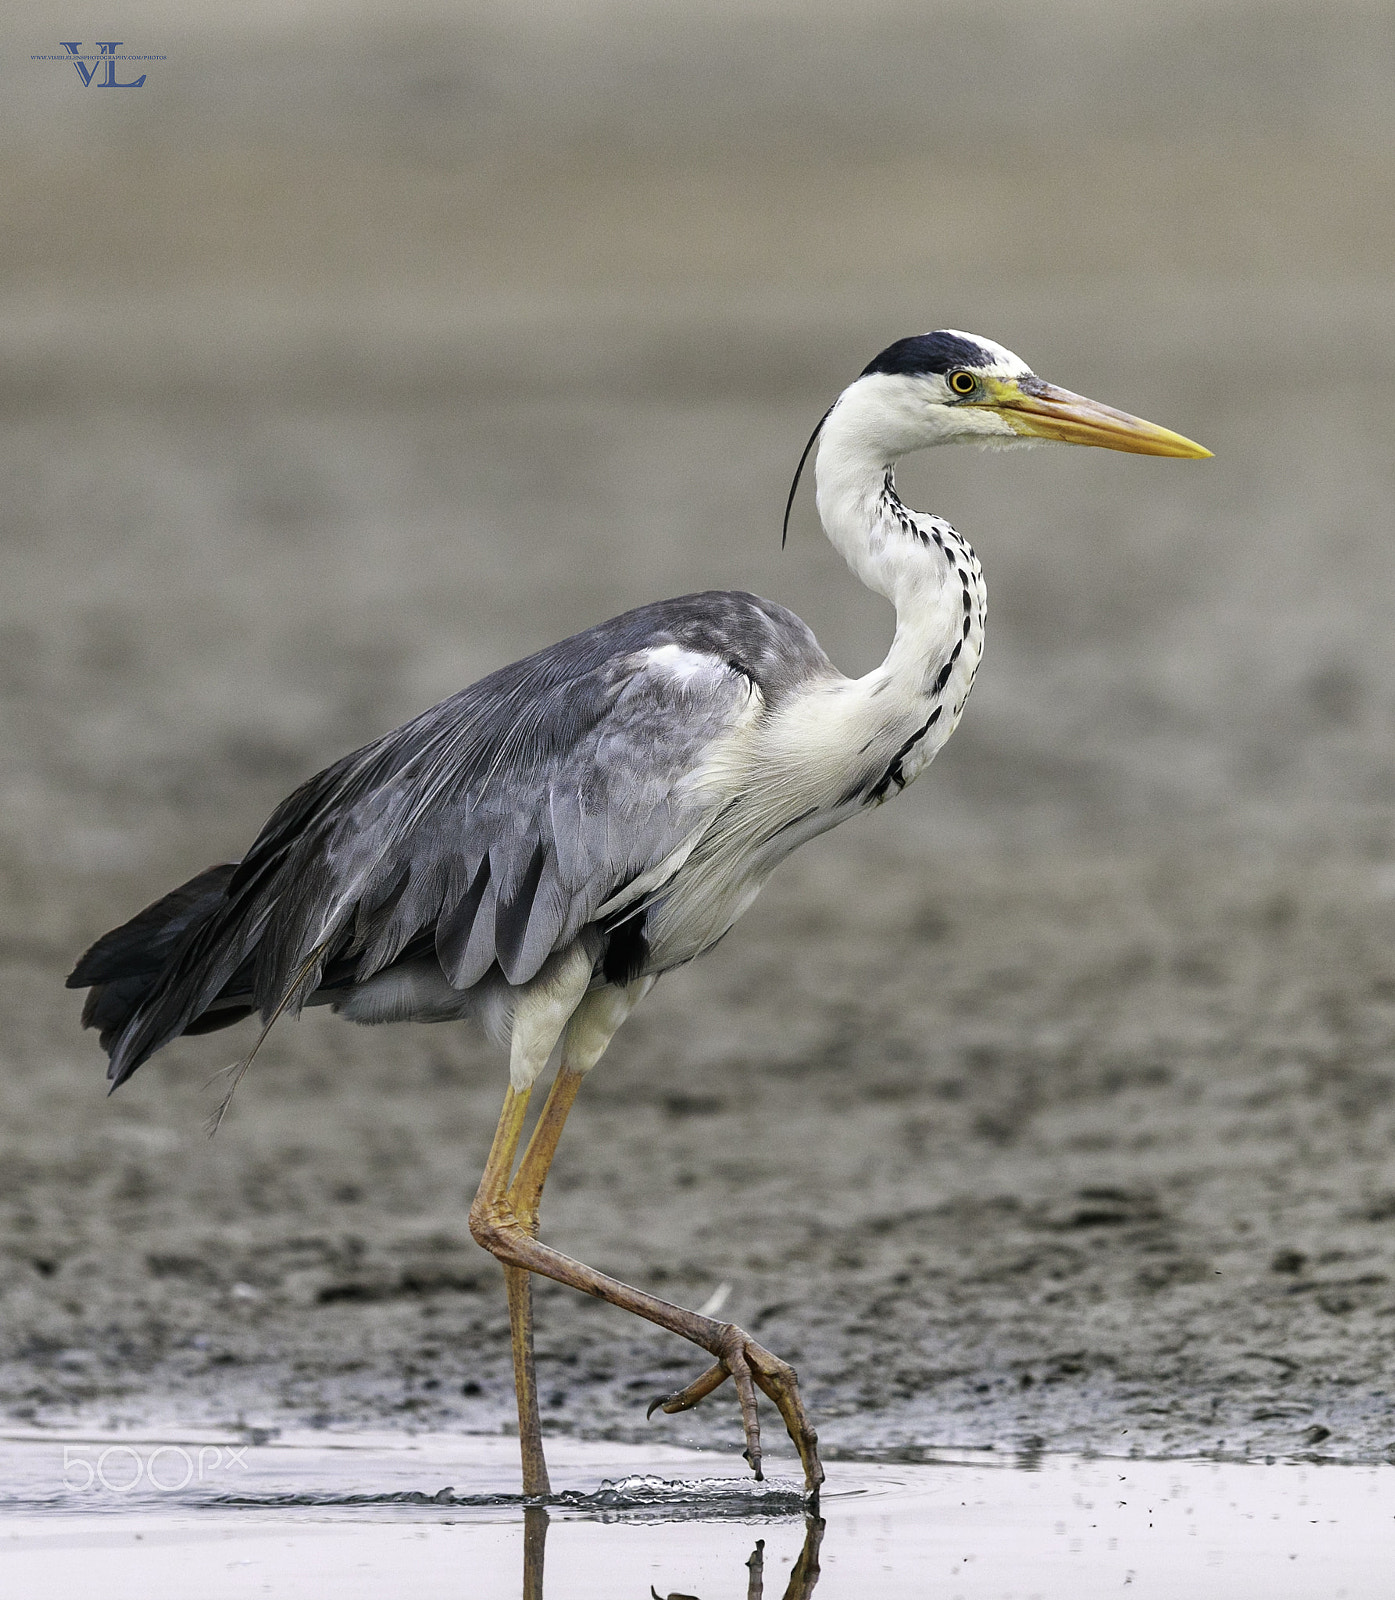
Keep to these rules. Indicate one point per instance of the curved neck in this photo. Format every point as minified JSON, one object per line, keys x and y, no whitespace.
{"x":850,"y":474}
{"x":912,"y":563}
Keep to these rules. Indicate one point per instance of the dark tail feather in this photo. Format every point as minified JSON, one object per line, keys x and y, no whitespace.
{"x":124,"y":966}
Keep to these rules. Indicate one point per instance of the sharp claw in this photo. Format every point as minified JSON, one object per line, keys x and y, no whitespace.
{"x":657,"y":1405}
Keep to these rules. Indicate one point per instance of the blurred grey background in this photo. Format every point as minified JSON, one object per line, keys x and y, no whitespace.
{"x":367,"y":347}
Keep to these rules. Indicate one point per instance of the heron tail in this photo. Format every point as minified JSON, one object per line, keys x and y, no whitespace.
{"x":124,"y":969}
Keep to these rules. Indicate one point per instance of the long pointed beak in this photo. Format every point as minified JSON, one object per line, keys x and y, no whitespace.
{"x":1040,"y":410}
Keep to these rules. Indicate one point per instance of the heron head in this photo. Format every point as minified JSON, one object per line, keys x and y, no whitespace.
{"x":946,"y":387}
{"x":949,"y":387}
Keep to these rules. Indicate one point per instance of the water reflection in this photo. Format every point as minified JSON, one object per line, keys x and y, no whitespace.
{"x":803,"y":1576}
{"x":534,"y":1551}
{"x":802,"y":1579}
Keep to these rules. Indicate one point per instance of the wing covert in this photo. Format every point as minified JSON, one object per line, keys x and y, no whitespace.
{"x":501,"y":838}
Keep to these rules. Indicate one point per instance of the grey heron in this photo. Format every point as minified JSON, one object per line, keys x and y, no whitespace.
{"x":536,"y":850}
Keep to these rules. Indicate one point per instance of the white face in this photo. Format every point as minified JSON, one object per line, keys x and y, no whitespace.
{"x":899,"y":413}
{"x":937,"y":388}
{"x":958,"y":402}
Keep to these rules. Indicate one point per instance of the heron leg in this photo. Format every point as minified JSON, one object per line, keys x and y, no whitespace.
{"x":519,"y":1286}
{"x":541,"y":1014}
{"x":503,"y":1219}
{"x":525,"y":1192}
{"x":537,"y":1024}
{"x":523,"y":1196}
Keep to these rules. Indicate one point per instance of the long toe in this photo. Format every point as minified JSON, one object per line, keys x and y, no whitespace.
{"x":697,"y":1391}
{"x":753,"y":1366}
{"x":779,"y":1381}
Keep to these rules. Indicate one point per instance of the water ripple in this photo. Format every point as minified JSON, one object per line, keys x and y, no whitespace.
{"x":672,"y":1498}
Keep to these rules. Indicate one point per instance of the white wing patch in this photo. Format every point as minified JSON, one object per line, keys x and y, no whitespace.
{"x":685,"y":666}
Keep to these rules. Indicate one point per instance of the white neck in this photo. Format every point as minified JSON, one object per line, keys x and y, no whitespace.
{"x":915,"y":562}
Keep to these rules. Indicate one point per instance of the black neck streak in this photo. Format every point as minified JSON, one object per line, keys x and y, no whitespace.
{"x":961,"y":564}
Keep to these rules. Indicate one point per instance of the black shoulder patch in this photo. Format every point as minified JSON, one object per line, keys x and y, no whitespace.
{"x":924,"y":353}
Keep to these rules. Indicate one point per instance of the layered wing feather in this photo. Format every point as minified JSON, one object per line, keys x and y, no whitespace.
{"x":494,"y":827}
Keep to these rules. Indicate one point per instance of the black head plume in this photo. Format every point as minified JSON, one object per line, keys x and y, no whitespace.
{"x":789,"y":504}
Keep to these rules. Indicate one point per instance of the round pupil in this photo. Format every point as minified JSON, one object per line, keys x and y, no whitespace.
{"x":961,"y":383}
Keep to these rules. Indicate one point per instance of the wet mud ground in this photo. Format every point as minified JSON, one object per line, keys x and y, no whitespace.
{"x":1051,"y":1107}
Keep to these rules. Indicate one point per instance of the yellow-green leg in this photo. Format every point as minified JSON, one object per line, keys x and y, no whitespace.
{"x":519,"y":1285}
{"x":503,"y":1219}
{"x":523,"y":1197}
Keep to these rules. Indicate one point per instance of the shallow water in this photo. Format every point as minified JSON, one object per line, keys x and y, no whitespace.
{"x":432,"y":1515}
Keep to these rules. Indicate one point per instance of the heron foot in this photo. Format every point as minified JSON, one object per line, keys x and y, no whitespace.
{"x":751,"y":1366}
{"x":739,"y":1357}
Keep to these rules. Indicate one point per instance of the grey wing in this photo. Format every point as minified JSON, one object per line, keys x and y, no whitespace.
{"x":492,"y":828}
{"x":502,"y":848}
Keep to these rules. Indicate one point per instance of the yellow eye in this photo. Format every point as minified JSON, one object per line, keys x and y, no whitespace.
{"x":962,"y":382}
